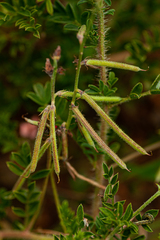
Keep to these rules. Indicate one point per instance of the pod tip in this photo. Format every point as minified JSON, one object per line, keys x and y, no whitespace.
{"x":144,"y":70}
{"x":128,"y":169}
{"x":58,"y":178}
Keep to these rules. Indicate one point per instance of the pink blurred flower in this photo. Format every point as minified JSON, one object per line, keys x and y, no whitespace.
{"x":27,"y":130}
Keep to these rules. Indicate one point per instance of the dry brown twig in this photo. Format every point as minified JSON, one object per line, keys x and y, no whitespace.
{"x":74,"y":172}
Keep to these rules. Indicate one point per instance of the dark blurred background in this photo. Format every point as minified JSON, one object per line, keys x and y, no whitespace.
{"x":133,"y":37}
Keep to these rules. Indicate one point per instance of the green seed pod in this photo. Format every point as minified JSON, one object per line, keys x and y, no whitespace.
{"x":112,"y":124}
{"x":54,"y":140}
{"x":95,"y":136}
{"x":39,"y":136}
{"x":86,"y":135}
{"x":110,"y":64}
{"x":147,"y":218}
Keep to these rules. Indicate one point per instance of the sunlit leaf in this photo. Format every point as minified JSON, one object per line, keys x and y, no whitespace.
{"x":71,"y":27}
{"x":155,"y":87}
{"x":108,"y":2}
{"x":114,"y":179}
{"x":24,"y":12}
{"x":49,"y":7}
{"x":21,"y":196}
{"x":8,"y":7}
{"x":110,"y":12}
{"x":18,"y":211}
{"x":40,"y":174}
{"x":36,"y":34}
{"x":136,"y":91}
{"x":14,"y":168}
{"x":128,"y":213}
{"x":107,"y":212}
{"x":115,"y":188}
{"x":80,"y":213}
{"x":33,"y":207}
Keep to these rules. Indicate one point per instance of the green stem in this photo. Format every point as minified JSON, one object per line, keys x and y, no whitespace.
{"x":127,"y":99}
{"x":76,"y":83}
{"x":114,"y":231}
{"x":52,"y":120}
{"x":57,"y":202}
{"x":35,"y":216}
{"x":157,"y":194}
{"x":39,"y":136}
{"x":110,"y":99}
{"x":78,"y":70}
{"x":53,"y":81}
{"x":54,"y":141}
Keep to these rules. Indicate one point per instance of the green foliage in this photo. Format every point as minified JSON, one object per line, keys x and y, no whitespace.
{"x":114,"y":219}
{"x":20,"y":160}
{"x":104,"y":89}
{"x":23,"y":157}
{"x":41,"y":95}
{"x":74,"y":224}
{"x":30,"y":198}
{"x":4,"y":202}
{"x":68,"y":218}
{"x":139,"y":50}
{"x":66,"y":15}
{"x":155,"y":87}
{"x":136,"y":91}
{"x":22,"y":15}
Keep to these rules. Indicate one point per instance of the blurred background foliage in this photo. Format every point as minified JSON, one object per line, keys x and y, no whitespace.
{"x":133,"y":37}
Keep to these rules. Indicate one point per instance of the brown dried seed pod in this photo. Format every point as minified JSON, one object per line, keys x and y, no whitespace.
{"x":61,"y":71}
{"x":57,"y":54}
{"x":48,"y":67}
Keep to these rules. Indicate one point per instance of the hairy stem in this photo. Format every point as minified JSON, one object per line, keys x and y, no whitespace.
{"x":110,"y":99}
{"x":157,"y":194}
{"x":103,"y":124}
{"x":53,"y":81}
{"x":111,"y":235}
{"x":54,"y":141}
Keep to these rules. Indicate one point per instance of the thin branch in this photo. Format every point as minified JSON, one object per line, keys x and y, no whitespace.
{"x":49,"y":232}
{"x":24,"y":235}
{"x":92,"y":182}
{"x":134,"y":155}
